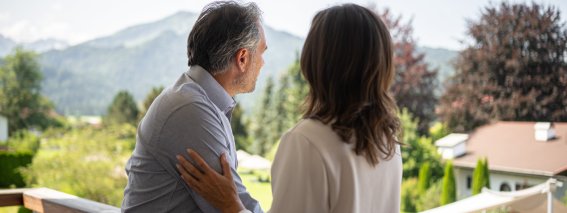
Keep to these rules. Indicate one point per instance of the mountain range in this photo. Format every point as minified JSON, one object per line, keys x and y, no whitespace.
{"x":39,"y":46}
{"x":82,"y":79}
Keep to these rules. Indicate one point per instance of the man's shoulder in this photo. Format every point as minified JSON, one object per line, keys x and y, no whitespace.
{"x":186,"y":95}
{"x":181,"y":100}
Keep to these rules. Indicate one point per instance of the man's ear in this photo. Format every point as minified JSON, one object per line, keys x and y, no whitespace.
{"x":242,"y":59}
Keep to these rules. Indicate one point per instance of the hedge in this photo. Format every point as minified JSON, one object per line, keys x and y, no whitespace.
{"x":10,"y":162}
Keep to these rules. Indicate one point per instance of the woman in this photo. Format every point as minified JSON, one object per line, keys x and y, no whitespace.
{"x":343,"y":156}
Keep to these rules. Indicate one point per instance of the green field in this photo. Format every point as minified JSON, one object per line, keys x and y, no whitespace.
{"x":261,"y":191}
{"x":11,"y":209}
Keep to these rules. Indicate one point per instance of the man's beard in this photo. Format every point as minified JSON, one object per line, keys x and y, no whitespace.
{"x":246,"y":83}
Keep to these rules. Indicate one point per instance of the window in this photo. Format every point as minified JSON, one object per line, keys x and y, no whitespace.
{"x":524,"y":185}
{"x":504,"y":187}
{"x":469,"y":182}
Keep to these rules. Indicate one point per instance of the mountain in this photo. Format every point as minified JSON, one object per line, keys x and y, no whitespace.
{"x":441,"y":59}
{"x":6,"y":45}
{"x":39,"y":46}
{"x":83,"y":79}
{"x":45,"y":45}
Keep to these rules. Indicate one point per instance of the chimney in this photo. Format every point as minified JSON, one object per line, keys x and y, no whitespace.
{"x":544,"y":131}
{"x":452,"y":146}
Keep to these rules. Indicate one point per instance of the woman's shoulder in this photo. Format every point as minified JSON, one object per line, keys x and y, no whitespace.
{"x":309,"y":128}
{"x":314,"y":132}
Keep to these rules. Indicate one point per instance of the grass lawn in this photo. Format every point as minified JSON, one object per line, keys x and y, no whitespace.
{"x":11,"y":209}
{"x":261,"y":191}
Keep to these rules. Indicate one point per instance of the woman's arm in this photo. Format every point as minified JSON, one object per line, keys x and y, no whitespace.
{"x":218,"y":189}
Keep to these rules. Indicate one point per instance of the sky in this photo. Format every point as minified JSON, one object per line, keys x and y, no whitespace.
{"x":436,"y":23}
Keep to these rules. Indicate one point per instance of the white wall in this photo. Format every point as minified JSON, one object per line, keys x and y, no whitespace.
{"x":452,"y":152}
{"x":460,"y":149}
{"x":496,"y":180}
{"x":3,"y":128}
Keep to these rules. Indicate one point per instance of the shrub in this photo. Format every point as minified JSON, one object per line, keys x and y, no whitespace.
{"x":24,"y":141}
{"x":10,"y":162}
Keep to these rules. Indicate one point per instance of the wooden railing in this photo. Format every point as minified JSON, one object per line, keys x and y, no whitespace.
{"x":46,"y":200}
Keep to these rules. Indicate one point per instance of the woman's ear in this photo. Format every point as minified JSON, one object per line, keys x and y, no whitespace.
{"x":242,"y":59}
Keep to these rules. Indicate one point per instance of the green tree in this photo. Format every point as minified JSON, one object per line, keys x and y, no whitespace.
{"x":481,"y":176}
{"x":240,"y":129}
{"x":438,"y":130}
{"x":23,"y":141}
{"x":262,"y":119}
{"x":417,"y":150}
{"x":280,"y":107}
{"x":424,"y":178}
{"x":430,"y":199}
{"x":152,"y":95}
{"x":294,"y":89}
{"x":486,"y":173}
{"x":513,"y":70}
{"x":409,"y":195}
{"x":20,"y":98}
{"x":449,"y":193}
{"x":123,"y":109}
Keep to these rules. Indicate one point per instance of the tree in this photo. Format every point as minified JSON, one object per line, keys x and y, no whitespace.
{"x":430,"y":199}
{"x":151,"y":97}
{"x":481,"y":176}
{"x":415,"y":82}
{"x":409,"y":195}
{"x":438,"y":130}
{"x":123,"y":109}
{"x":20,"y":98}
{"x":417,"y":150}
{"x":449,"y":193}
{"x":514,"y":69}
{"x":263,"y":118}
{"x":294,"y":88}
{"x":239,"y":129}
{"x":280,"y":107}
{"x":424,"y":178}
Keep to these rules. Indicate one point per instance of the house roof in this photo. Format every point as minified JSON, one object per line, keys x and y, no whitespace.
{"x":451,"y":140}
{"x":511,"y":147}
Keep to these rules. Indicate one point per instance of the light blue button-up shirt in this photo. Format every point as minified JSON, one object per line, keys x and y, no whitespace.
{"x":194,"y":113}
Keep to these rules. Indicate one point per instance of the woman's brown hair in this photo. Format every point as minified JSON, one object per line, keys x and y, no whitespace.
{"x":347,"y":61}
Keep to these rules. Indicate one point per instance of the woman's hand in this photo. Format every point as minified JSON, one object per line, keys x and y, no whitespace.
{"x":218,"y":189}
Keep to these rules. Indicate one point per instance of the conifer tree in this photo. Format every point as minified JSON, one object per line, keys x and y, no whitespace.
{"x":449,"y":193}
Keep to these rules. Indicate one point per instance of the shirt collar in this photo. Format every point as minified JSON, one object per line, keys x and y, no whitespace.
{"x":214,"y":90}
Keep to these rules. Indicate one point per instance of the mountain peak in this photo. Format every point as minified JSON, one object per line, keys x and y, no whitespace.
{"x":179,"y":23}
{"x":39,"y":46}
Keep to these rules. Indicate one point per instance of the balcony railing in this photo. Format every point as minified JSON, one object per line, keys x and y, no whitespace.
{"x":46,"y":200}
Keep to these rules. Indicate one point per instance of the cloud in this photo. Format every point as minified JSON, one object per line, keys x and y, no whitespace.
{"x":4,"y":17}
{"x":57,"y":6}
{"x":26,"y":31}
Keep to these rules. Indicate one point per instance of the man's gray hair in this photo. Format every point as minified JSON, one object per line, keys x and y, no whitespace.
{"x":223,"y":28}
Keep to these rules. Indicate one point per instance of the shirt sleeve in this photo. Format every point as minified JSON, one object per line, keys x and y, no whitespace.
{"x":196,"y":126}
{"x":299,"y":177}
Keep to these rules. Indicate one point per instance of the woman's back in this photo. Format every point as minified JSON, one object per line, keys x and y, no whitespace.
{"x":315,"y":171}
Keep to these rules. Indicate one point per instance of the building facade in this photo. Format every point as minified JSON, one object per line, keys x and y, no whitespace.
{"x":520,"y":155}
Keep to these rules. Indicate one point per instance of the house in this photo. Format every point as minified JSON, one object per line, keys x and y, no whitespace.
{"x":3,"y":128}
{"x":520,"y":155}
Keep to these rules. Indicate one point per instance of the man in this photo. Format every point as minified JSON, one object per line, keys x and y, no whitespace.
{"x":225,"y":50}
